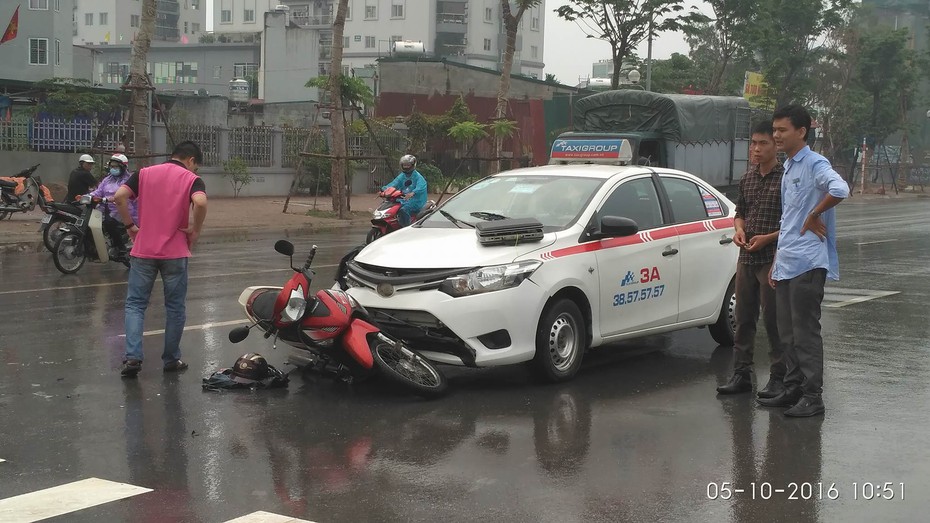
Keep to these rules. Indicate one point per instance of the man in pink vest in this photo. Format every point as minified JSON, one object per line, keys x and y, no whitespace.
{"x":162,"y":238}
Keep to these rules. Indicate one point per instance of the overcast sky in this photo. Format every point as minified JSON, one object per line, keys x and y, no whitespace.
{"x":568,"y":53}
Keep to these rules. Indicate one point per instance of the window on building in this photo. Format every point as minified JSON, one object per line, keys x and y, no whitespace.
{"x":89,"y":19}
{"x":488,"y":14}
{"x":345,"y":42}
{"x":104,"y":17}
{"x":38,"y":5}
{"x":195,"y":4}
{"x":135,"y":20}
{"x":38,"y":51}
{"x":195,"y":27}
{"x":113,"y":73}
{"x":185,"y":27}
{"x":371,"y":9}
{"x":369,"y":42}
{"x":217,"y":72}
{"x":487,"y":44}
{"x":57,"y":52}
{"x":244,"y":69}
{"x":397,"y":8}
{"x":396,"y":38}
{"x":225,"y":11}
{"x":534,"y":23}
{"x":349,"y":11}
{"x":534,"y":51}
{"x":58,"y":5}
{"x":174,"y":72}
{"x":248,"y":13}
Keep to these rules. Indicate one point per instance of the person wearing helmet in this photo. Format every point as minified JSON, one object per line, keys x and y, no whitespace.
{"x":81,"y":180}
{"x":413,"y":185}
{"x":117,"y":174}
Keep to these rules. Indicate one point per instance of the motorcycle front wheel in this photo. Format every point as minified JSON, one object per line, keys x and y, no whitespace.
{"x":409,"y":370}
{"x":69,"y":253}
{"x":51,"y":234}
{"x":373,"y":235}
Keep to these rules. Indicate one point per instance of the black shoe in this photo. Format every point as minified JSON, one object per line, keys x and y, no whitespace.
{"x":738,"y":383}
{"x":773,"y":388}
{"x":788,"y":398}
{"x":808,"y":406}
{"x":130,"y":368}
{"x":175,"y":366}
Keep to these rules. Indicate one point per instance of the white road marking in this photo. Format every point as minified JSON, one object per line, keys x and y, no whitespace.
{"x":2,"y":460}
{"x":202,"y":327}
{"x":841,"y":297}
{"x":198,"y":277}
{"x":878,"y":241}
{"x":266,"y":517}
{"x":64,"y":499}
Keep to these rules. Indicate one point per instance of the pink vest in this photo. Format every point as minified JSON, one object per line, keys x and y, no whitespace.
{"x":164,"y":202}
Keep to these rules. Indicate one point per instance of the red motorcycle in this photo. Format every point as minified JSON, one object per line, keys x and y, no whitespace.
{"x":384,"y":219}
{"x":332,"y":332}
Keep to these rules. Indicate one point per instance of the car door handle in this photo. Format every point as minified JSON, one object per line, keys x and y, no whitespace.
{"x":670,"y":252}
{"x":725,"y":240}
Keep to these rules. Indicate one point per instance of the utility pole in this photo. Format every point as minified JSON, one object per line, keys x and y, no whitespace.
{"x":649,"y":57}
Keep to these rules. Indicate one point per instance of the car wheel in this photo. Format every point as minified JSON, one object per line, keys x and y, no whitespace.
{"x":561,"y":340}
{"x":724,"y":331}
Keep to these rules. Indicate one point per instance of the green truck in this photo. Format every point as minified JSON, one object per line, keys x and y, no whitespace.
{"x":707,"y":136}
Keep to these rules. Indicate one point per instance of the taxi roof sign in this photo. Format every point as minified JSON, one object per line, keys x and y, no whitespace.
{"x":606,"y":151}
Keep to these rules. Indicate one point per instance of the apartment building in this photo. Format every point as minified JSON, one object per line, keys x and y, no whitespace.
{"x":115,"y":22}
{"x":42,"y":46}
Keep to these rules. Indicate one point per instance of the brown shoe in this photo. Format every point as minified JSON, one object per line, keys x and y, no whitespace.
{"x":175,"y":366}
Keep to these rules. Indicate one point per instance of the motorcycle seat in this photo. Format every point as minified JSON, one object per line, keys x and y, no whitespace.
{"x":263,"y":305}
{"x":8,"y":184}
{"x":64,"y":207}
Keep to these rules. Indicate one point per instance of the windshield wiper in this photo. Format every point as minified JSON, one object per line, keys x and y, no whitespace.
{"x":484,"y":215}
{"x":455,"y":220}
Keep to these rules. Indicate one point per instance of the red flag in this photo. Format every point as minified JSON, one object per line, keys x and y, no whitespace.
{"x":12,"y":28}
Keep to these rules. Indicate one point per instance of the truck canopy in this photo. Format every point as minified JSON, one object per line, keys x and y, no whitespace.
{"x":677,"y":117}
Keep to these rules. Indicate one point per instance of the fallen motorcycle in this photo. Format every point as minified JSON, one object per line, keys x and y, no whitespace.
{"x":22,"y":192}
{"x":333,"y":333}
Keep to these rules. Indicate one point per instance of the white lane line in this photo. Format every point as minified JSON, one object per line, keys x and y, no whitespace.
{"x":869,"y":295}
{"x":878,"y":241}
{"x":197,"y":277}
{"x":202,"y":327}
{"x":266,"y":517}
{"x":2,"y":460}
{"x":64,"y":499}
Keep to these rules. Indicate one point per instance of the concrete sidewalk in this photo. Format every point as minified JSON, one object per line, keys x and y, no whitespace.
{"x":238,"y":217}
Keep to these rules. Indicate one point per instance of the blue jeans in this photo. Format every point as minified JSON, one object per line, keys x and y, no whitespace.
{"x":142,"y":273}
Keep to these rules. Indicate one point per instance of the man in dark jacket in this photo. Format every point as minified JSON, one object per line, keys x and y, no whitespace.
{"x":81,"y":180}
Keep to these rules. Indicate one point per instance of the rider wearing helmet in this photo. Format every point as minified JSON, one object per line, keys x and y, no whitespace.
{"x":81,"y":180}
{"x":413,"y":185}
{"x":117,"y":174}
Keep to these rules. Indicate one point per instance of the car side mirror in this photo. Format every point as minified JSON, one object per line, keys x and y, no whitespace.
{"x":284,"y":247}
{"x":616,"y":227}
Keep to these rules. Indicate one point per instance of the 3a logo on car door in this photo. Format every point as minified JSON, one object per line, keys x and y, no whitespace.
{"x":646,"y":276}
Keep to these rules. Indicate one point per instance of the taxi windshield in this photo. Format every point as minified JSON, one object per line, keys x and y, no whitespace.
{"x":556,"y":201}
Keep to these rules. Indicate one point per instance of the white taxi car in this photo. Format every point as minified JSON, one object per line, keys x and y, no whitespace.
{"x":540,"y":264}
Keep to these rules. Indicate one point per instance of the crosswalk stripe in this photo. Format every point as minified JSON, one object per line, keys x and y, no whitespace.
{"x":64,"y":499}
{"x":266,"y":517}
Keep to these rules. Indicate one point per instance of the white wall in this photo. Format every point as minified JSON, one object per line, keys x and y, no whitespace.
{"x":119,"y":20}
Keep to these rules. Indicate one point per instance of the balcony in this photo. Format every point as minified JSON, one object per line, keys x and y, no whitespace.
{"x":312,"y":21}
{"x":168,"y":6}
{"x":455,"y":23}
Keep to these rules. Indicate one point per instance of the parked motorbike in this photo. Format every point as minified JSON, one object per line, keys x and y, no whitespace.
{"x":384,"y":219}
{"x":88,"y":239}
{"x":332,"y":332}
{"x":32,"y":193}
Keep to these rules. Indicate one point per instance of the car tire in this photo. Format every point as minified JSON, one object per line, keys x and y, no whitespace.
{"x":561,"y":340}
{"x":724,"y":331}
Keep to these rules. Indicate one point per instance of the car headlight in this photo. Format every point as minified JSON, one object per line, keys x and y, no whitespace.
{"x":295,"y":308}
{"x":489,"y":279}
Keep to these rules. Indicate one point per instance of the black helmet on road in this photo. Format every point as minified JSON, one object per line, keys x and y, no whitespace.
{"x":251,"y":366}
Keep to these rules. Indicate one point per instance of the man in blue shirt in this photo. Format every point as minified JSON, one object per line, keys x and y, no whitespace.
{"x":806,"y":256}
{"x":413,"y":185}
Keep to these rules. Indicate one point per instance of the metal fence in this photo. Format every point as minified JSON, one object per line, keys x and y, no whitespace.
{"x":295,"y":140}
{"x":252,"y":144}
{"x":206,"y":136}
{"x":49,"y":134}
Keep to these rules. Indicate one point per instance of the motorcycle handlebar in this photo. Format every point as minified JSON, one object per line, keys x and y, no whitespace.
{"x":25,"y":173}
{"x":310,"y":257}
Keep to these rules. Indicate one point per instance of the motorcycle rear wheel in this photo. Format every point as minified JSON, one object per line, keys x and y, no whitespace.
{"x":414,"y":373}
{"x":68,"y":254}
{"x":51,"y":234}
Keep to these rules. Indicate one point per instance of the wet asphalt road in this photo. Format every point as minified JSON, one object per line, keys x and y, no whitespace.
{"x":637,"y":436}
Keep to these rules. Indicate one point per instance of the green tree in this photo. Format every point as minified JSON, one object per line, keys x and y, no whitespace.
{"x":677,"y":74}
{"x":625,"y":24}
{"x":551,"y":79}
{"x":340,"y":149}
{"x":237,"y":172}
{"x":355,"y":92}
{"x":721,"y":40}
{"x":71,"y":97}
{"x":886,"y":70}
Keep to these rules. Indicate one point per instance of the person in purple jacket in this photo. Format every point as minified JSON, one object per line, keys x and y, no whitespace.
{"x":117,"y":174}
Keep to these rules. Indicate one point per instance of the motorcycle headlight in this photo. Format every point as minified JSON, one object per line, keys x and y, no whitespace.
{"x":489,"y":279}
{"x":295,"y":308}
{"x":86,"y":199}
{"x":378,"y":215}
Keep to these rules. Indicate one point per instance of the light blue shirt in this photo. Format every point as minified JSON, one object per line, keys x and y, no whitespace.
{"x":808,"y":179}
{"x":411,"y":183}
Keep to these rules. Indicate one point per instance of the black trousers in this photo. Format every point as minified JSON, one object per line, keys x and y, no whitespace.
{"x":798,"y":302}
{"x":753,"y":293}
